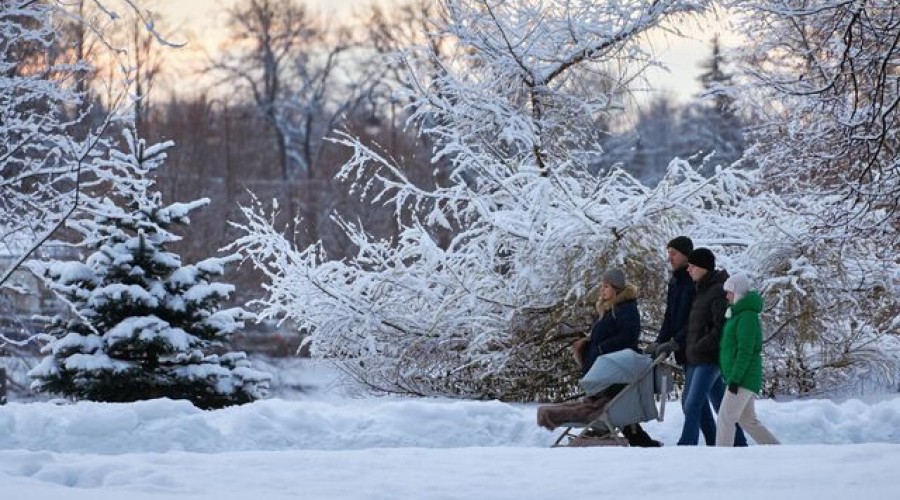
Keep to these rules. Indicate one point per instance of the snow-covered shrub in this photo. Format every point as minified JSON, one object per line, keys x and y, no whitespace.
{"x":832,"y":319}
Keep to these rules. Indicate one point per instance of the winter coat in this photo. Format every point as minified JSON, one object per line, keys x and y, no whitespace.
{"x":679,"y":297}
{"x":618,"y":328}
{"x":706,"y":319}
{"x":740,"y":355}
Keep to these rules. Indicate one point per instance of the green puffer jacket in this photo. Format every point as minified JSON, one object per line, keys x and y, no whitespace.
{"x":740,"y":350}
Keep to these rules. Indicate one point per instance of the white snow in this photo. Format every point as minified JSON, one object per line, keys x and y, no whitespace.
{"x":183,"y":276}
{"x":180,"y":211}
{"x":204,"y":291}
{"x":72,"y":272}
{"x":88,"y":362}
{"x":149,"y":329}
{"x":118,"y":292}
{"x":325,"y":445}
{"x":226,"y":321}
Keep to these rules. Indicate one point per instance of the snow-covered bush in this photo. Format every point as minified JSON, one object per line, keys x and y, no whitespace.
{"x":144,"y":325}
{"x":832,"y":319}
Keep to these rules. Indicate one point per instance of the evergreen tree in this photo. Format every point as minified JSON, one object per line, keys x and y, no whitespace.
{"x":646,"y":149}
{"x":658,"y":131}
{"x":706,"y":130}
{"x":144,"y":325}
{"x":709,"y":124}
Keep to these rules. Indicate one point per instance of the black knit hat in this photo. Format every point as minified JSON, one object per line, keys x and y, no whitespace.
{"x":703,"y":257}
{"x":682,"y":244}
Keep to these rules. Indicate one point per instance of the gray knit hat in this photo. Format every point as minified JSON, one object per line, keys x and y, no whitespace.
{"x":615,"y":277}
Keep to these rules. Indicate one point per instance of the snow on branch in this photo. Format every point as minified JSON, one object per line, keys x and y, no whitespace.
{"x":56,"y":143}
{"x":823,"y":81}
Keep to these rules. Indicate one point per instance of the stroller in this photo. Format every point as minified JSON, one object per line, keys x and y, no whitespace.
{"x":621,"y":389}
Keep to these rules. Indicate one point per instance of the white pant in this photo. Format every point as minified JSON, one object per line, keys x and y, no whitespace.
{"x":738,"y":408}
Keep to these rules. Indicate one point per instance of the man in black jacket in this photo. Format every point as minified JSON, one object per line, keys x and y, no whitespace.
{"x":672,"y":335}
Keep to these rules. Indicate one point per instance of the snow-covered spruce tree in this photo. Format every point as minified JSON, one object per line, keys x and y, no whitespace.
{"x":710,"y":124}
{"x":143,"y":325}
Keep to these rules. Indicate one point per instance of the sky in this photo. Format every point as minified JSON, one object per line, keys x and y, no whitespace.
{"x":324,"y":443}
{"x":199,"y":23}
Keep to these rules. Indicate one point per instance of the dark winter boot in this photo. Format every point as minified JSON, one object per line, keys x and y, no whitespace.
{"x":636,"y":436}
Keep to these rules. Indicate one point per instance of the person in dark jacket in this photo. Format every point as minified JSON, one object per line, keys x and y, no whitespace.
{"x":672,"y":335}
{"x":618,"y":328}
{"x":703,"y":381}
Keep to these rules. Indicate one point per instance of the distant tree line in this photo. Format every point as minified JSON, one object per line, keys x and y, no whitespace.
{"x":708,"y":130}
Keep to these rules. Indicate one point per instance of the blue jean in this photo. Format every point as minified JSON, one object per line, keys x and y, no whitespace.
{"x":703,"y":385}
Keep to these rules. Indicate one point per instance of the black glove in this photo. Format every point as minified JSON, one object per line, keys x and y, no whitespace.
{"x":732,"y":388}
{"x":651,"y":349}
{"x":666,"y":348}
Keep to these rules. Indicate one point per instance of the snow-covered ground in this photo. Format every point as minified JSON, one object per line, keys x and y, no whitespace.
{"x":329,"y":446}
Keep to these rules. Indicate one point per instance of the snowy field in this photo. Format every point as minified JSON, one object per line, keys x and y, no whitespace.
{"x":329,"y":446}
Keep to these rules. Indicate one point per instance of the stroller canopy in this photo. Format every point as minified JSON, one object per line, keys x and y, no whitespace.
{"x":620,"y":367}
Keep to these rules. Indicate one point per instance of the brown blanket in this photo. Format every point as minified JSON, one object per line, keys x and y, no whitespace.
{"x":575,"y":413}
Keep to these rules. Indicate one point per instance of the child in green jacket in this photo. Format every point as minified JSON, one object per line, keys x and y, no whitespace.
{"x":740,"y":358}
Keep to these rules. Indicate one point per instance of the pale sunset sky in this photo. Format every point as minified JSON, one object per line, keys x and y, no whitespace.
{"x":200,"y":22}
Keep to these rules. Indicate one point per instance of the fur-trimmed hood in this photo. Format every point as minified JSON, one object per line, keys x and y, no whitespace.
{"x":630,"y":292}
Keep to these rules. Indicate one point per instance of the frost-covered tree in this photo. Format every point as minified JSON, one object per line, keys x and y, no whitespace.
{"x":143,"y":324}
{"x":512,"y":100}
{"x":826,"y":88}
{"x":43,"y":151}
{"x":51,"y":130}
